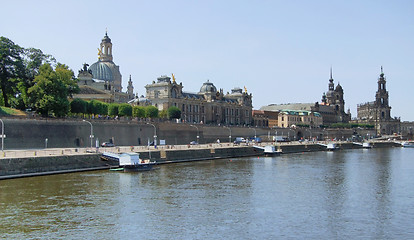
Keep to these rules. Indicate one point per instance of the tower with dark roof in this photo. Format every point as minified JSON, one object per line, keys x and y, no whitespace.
{"x":378,"y":112}
{"x":105,"y":69}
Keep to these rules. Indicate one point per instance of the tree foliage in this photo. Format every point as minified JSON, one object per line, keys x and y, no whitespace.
{"x":49,"y":94}
{"x":174,"y":112}
{"x":138,"y":111}
{"x":78,"y":106}
{"x":125,"y":110}
{"x":18,"y":68}
{"x":97,"y":107}
{"x":151,"y":112}
{"x":11,"y":68}
{"x":113,"y":109}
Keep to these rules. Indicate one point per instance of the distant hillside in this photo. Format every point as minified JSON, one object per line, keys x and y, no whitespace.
{"x":4,"y":111}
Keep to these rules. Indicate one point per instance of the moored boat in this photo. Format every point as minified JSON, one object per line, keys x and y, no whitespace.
{"x":332,"y":147}
{"x":407,"y":144}
{"x":366,"y":145}
{"x":129,"y":162}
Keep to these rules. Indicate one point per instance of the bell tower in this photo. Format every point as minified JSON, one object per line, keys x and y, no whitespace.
{"x":381,"y":99}
{"x":105,"y":51}
{"x":130,"y":89}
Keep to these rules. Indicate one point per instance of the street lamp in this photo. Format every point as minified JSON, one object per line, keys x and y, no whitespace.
{"x":230,"y":134}
{"x":91,"y":136}
{"x":198,"y":136}
{"x":2,"y":135}
{"x":155,"y":134}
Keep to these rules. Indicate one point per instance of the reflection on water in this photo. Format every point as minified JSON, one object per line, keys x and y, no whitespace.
{"x":328,"y":195}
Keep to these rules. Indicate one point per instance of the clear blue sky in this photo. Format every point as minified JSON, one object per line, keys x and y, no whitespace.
{"x":280,"y":50}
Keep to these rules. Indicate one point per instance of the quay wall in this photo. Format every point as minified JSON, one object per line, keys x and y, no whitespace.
{"x":74,"y":133}
{"x":35,"y":166}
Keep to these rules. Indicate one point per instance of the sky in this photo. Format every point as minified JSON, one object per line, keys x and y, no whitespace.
{"x":281,"y":51}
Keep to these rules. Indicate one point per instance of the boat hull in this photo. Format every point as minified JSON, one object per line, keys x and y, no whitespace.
{"x":138,"y":168}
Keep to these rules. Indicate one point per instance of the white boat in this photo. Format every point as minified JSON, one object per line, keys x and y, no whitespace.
{"x":366,"y":145}
{"x":129,"y":162}
{"x":407,"y":144}
{"x":269,"y":150}
{"x":332,"y":147}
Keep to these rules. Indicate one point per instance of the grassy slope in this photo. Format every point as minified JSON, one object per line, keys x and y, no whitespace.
{"x":4,"y":111}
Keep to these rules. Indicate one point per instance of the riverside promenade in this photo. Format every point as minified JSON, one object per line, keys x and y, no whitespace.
{"x":36,"y":162}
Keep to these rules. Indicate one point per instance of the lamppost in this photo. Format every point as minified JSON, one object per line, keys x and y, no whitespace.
{"x":155,"y":134}
{"x":2,"y":135}
{"x":230,"y":134}
{"x":90,"y":136}
{"x":198,"y":136}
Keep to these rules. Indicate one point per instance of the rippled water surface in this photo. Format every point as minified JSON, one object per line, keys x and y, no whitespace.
{"x":350,"y":194}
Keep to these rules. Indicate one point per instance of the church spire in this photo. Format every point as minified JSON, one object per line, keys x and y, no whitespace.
{"x":331,"y":84}
{"x":130,"y":89}
{"x":331,"y":73}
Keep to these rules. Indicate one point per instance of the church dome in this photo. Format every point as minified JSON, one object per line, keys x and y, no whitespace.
{"x":338,"y":88}
{"x":101,"y":71}
{"x":106,"y":39}
{"x":208,"y":87}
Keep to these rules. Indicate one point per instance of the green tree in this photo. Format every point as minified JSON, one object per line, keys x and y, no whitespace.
{"x":151,"y":112}
{"x":104,"y":108}
{"x":11,"y":68}
{"x":33,"y":59}
{"x":97,"y":107}
{"x":163,"y":114}
{"x":51,"y":89}
{"x":113,"y":109}
{"x":125,"y":110}
{"x":78,"y":106}
{"x":138,"y":111}
{"x":174,"y":112}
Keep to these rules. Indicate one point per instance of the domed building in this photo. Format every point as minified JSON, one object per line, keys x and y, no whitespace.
{"x":103,"y":80}
{"x":209,"y":105}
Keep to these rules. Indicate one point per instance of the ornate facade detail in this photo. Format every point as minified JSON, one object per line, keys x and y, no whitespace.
{"x":103,"y":80}
{"x":378,"y":112}
{"x":209,"y":105}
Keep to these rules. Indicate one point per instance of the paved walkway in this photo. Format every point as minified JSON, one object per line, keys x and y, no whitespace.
{"x":82,"y":151}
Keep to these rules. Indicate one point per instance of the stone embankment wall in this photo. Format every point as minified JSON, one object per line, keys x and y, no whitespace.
{"x":74,"y":133}
{"x":35,"y":166}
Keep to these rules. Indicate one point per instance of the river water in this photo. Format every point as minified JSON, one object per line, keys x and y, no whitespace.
{"x":349,"y":194}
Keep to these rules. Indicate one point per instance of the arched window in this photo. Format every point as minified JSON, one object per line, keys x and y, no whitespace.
{"x":174,"y":93}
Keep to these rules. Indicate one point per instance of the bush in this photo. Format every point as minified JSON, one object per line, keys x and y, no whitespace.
{"x":78,"y":106}
{"x":113,"y":109}
{"x":138,"y":111}
{"x":174,"y":112}
{"x":125,"y":109}
{"x":151,"y":112}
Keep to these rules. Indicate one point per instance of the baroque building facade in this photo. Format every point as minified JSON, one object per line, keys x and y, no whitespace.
{"x":103,"y":80}
{"x":378,"y":112}
{"x":209,"y":105}
{"x":331,"y":108}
